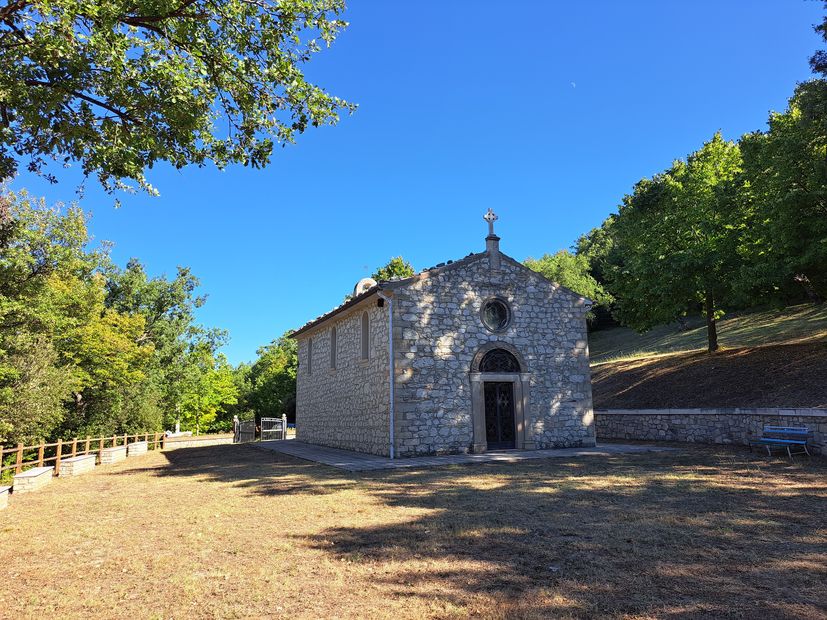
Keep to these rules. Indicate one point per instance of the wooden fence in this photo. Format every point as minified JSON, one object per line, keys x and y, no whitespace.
{"x":43,"y":454}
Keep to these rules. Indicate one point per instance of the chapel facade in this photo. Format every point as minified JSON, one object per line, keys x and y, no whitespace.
{"x":472,"y":355}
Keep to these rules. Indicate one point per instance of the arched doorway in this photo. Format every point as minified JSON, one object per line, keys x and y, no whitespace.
{"x":499,"y":398}
{"x":500,"y":425}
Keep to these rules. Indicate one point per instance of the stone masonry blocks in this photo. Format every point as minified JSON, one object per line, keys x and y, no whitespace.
{"x":721,"y":426}
{"x":346,"y":406}
{"x":32,"y":479}
{"x":77,"y":465}
{"x":437,"y":331}
{"x":137,"y":448}
{"x":113,"y":455}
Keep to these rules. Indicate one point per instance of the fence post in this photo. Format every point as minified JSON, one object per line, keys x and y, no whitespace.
{"x":114,"y":441}
{"x":40,"y":454}
{"x":163,"y":441}
{"x":125,"y":439}
{"x":58,"y":454}
{"x":74,"y":447}
{"x":100,"y":449}
{"x":283,"y":426}
{"x":19,"y":465}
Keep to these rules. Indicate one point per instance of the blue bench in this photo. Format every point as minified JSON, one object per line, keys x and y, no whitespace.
{"x":793,"y":439}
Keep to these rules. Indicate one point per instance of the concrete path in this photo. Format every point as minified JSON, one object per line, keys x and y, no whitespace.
{"x":357,"y":461}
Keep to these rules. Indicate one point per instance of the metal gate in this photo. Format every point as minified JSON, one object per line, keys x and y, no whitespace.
{"x":245,"y":431}
{"x":274,"y":428}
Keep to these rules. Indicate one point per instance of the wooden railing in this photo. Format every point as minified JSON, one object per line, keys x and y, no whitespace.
{"x":42,"y":454}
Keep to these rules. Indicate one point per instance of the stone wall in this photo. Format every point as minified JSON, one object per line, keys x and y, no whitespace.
{"x":32,"y":479}
{"x":346,"y":406}
{"x":110,"y":456}
{"x":196,"y":442}
{"x":438,"y":331}
{"x":78,"y":465}
{"x":723,"y":426}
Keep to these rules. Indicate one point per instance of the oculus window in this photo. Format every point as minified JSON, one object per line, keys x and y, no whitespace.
{"x":496,"y":315}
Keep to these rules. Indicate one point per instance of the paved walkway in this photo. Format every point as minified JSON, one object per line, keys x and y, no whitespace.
{"x":357,"y":461}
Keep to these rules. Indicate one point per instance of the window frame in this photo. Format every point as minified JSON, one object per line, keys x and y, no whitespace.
{"x":364,"y":354}
{"x":334,"y":346}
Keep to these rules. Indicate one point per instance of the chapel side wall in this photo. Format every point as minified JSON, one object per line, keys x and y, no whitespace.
{"x":438,"y":330}
{"x":346,"y":407}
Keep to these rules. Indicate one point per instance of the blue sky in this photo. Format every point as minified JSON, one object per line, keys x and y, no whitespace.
{"x":547,"y":112}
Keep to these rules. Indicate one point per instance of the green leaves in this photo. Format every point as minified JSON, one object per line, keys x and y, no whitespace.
{"x":396,"y":268}
{"x":573,"y":272}
{"x":677,"y":234}
{"x":86,"y":347}
{"x":119,"y":86}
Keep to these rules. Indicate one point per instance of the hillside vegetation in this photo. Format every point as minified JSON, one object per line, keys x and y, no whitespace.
{"x":803,"y":323}
{"x":768,"y":359}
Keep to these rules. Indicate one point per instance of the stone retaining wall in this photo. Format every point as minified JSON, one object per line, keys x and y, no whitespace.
{"x":113,"y":455}
{"x":77,"y":465}
{"x":197,"y":442}
{"x":723,"y":426}
{"x":32,"y":479}
{"x":137,"y":448}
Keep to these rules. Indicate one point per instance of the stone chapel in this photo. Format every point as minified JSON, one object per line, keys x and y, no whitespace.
{"x":472,"y":355}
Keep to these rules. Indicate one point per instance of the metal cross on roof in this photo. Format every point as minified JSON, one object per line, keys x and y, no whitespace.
{"x":490,"y":217}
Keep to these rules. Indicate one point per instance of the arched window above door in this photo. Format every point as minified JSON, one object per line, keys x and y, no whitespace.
{"x":499,"y":360}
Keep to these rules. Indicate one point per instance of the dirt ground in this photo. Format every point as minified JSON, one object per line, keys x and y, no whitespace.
{"x":232,"y":532}
{"x":789,"y":375}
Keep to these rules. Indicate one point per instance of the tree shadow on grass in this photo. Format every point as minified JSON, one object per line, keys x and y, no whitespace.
{"x":661,"y":535}
{"x":262,"y":472}
{"x":704,"y":532}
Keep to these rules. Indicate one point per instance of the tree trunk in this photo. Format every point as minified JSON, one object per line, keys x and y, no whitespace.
{"x":711,"y":327}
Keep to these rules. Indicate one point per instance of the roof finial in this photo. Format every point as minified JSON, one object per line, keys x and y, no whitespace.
{"x":490,"y":217}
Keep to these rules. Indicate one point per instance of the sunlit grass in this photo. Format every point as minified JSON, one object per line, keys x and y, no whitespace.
{"x":804,"y":323}
{"x":231,"y":532}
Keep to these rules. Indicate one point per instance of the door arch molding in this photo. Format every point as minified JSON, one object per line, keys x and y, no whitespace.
{"x":521,"y":384}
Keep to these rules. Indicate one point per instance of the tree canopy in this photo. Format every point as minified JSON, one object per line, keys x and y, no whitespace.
{"x":89,"y":348}
{"x":119,"y":86}
{"x":396,"y":268}
{"x":572,"y":271}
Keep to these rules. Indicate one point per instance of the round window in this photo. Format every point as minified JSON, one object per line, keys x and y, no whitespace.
{"x":495,"y":314}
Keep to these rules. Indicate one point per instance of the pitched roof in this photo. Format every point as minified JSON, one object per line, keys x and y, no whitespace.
{"x":425,"y":273}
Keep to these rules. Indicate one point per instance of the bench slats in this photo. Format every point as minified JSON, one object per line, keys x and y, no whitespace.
{"x":784,"y":437}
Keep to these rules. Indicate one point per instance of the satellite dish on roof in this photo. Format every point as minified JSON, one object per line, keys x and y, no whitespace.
{"x":363,"y":285}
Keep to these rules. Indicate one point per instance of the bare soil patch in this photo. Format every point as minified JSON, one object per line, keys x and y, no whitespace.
{"x":789,"y":375}
{"x":231,"y":532}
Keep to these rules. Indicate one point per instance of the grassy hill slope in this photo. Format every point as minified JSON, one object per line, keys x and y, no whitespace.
{"x":768,"y":359}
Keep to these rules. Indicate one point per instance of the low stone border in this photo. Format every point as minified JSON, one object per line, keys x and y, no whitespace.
{"x":4,"y":497}
{"x":32,"y":479}
{"x":113,"y":455}
{"x":77,"y":465}
{"x":137,"y":449}
{"x":196,"y":442}
{"x":722,"y":426}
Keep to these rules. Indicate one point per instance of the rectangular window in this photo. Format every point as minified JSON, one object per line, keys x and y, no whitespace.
{"x":365,"y":336}
{"x":333,"y":347}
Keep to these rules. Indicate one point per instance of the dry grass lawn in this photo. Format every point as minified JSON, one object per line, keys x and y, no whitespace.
{"x":230,"y":532}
